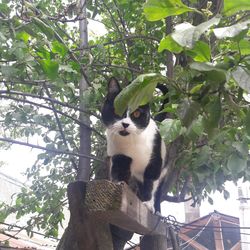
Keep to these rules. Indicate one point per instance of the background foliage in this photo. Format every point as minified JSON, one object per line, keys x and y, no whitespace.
{"x":198,"y":49}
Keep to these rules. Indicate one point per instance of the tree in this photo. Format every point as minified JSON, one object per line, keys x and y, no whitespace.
{"x":206,"y":63}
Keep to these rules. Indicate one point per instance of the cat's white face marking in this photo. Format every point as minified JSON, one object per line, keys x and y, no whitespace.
{"x":124,"y":127}
{"x":137,"y":145}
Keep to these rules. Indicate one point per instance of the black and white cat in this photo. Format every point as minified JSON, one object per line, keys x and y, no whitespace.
{"x":135,"y":148}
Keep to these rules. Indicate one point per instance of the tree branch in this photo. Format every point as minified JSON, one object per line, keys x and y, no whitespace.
{"x":58,"y":111}
{"x":130,"y":37}
{"x":169,"y":57}
{"x":175,"y":199}
{"x":116,"y":66}
{"x":59,"y":126}
{"x":83,"y":172}
{"x":56,"y":151}
{"x":172,"y":153}
{"x":116,"y":26}
{"x":48,"y":99}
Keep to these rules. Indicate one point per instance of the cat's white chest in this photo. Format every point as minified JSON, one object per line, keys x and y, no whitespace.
{"x":137,"y":146}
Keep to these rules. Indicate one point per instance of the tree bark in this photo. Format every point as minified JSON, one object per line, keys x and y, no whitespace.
{"x":169,"y":56}
{"x":153,"y":242}
{"x":85,"y":133}
{"x":84,"y":232}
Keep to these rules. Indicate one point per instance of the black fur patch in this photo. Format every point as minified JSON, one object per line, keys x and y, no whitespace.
{"x":157,"y":204}
{"x":145,"y":189}
{"x":152,"y":173}
{"x":121,"y":168}
{"x":108,"y":113}
{"x":143,"y":120}
{"x":153,"y":170}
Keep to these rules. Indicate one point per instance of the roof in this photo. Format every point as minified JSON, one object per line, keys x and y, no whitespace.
{"x":20,"y":240}
{"x":224,"y":216}
{"x":213,"y":231}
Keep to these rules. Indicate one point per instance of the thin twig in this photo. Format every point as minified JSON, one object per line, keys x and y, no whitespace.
{"x":130,"y":37}
{"x":49,"y":108}
{"x":118,"y":30}
{"x":48,"y":99}
{"x":56,"y":151}
{"x":59,"y":125}
{"x":116,"y":66}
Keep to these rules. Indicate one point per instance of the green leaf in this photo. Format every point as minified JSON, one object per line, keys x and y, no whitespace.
{"x":23,"y":36}
{"x":203,"y":66}
{"x":241,"y":147}
{"x":214,"y":73}
{"x":68,"y":68}
{"x":4,"y":8}
{"x":236,"y":164}
{"x":46,"y":29}
{"x":155,"y":10}
{"x":197,"y":126}
{"x":214,"y":109}
{"x":186,"y":34}
{"x":247,"y":122}
{"x":8,"y":71}
{"x":196,"y":88}
{"x":213,"y":115}
{"x":189,"y":112}
{"x":169,"y":44}
{"x":59,"y":48}
{"x":232,"y":6}
{"x":201,"y":52}
{"x":50,"y":68}
{"x":231,"y":31}
{"x":43,"y":53}
{"x":170,"y":129}
{"x":244,"y":46}
{"x":139,"y":92}
{"x":242,"y":77}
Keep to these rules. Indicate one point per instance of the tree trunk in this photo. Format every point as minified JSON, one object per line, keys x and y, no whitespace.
{"x":153,"y":242}
{"x":85,"y":133}
{"x":169,"y":56}
{"x":84,"y":232}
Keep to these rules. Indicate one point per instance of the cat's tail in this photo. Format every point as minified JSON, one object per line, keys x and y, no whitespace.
{"x":161,"y":115}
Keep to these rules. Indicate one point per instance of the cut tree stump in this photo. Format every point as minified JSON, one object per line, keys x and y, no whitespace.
{"x":96,"y":204}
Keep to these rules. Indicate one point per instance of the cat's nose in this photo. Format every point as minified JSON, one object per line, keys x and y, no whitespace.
{"x":125,"y":125}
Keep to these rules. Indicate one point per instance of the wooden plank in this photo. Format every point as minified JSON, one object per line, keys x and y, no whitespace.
{"x":218,"y":237}
{"x":191,"y":242}
{"x":237,"y":246}
{"x":118,"y":205}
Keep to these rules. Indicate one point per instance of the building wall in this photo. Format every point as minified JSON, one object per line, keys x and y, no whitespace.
{"x":9,"y":187}
{"x":244,"y":196}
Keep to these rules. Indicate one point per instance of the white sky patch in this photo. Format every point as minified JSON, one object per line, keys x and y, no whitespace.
{"x":96,"y":29}
{"x":17,"y":159}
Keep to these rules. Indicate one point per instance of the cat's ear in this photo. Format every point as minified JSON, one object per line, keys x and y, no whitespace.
{"x":113,"y":88}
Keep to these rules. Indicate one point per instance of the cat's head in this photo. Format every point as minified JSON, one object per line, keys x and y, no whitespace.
{"x":128,"y":123}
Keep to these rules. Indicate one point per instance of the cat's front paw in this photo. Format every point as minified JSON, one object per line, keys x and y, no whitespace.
{"x":150,"y":205}
{"x":119,"y":182}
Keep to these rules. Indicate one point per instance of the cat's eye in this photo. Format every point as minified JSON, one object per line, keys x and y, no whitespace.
{"x":136,"y":114}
